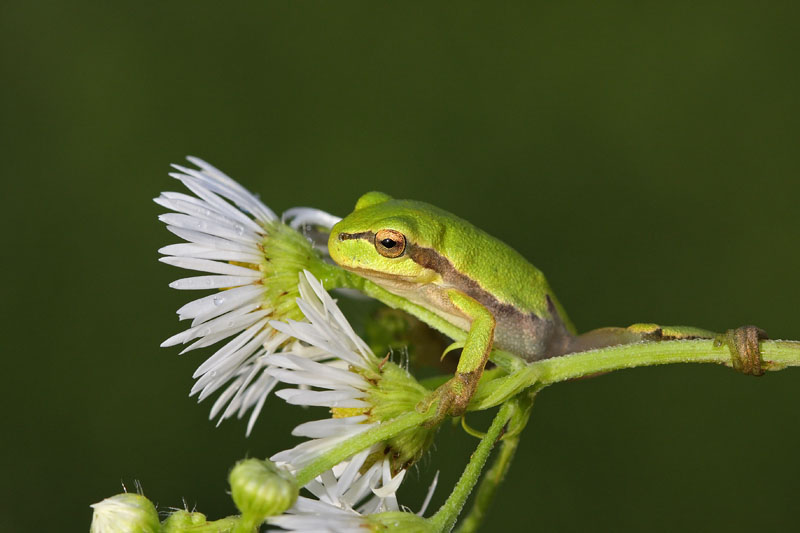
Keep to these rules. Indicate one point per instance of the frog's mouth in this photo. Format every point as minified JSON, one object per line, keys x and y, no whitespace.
{"x":383,"y":278}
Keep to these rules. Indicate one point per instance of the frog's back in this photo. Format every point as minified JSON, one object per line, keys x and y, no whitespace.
{"x":530,"y":321}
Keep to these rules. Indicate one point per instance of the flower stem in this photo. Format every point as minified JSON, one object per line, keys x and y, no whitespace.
{"x":446,"y":516}
{"x":522,"y":405}
{"x":776,"y":355}
{"x":361,"y":441}
{"x":489,"y":484}
{"x":246,"y":524}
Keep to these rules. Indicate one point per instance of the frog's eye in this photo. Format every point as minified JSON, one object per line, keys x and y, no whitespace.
{"x":390,"y":243}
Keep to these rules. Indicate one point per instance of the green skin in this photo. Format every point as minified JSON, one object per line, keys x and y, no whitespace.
{"x":442,"y":263}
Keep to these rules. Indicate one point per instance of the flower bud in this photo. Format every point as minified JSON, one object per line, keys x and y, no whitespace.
{"x":182,"y":520}
{"x":125,"y":513}
{"x":261,"y":488}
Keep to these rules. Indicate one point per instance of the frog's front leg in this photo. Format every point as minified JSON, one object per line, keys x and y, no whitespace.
{"x":454,"y":395}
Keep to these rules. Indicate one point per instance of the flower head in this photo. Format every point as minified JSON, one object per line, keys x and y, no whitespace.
{"x":360,"y":390}
{"x":251,"y":260}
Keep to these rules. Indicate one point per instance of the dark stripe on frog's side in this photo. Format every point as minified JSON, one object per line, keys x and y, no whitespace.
{"x":523,"y":333}
{"x":366,"y":235}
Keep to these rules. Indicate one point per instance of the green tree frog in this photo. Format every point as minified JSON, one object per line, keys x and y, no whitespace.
{"x":443,"y":264}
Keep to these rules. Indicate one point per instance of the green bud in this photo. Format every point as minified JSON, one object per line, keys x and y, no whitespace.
{"x":182,"y":520}
{"x":125,"y":513}
{"x":261,"y":488}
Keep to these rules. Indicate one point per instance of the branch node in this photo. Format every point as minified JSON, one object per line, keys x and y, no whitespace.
{"x":743,"y":343}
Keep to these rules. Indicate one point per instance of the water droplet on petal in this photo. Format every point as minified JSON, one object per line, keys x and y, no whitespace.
{"x":239,"y":229}
{"x":217,"y":300}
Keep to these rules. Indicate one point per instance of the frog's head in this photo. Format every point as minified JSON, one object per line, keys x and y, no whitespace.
{"x":379,"y":238}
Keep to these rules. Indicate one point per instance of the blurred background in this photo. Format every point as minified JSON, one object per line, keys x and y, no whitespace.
{"x":644,"y":156}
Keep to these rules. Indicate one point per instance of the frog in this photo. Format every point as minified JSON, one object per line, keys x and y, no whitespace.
{"x":456,"y":275}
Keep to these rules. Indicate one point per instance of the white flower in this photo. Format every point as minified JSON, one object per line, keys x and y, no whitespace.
{"x":334,"y":509}
{"x":345,"y":376}
{"x":230,"y":235}
{"x":327,"y":330}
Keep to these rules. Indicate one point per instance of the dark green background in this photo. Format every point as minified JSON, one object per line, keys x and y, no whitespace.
{"x":644,"y":157}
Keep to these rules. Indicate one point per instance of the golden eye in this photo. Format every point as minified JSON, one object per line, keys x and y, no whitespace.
{"x":390,"y":243}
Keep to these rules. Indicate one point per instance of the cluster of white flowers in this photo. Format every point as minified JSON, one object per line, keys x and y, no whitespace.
{"x":226,"y":228}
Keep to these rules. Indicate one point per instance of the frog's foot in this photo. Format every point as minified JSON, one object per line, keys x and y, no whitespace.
{"x":743,"y":344}
{"x":452,"y":398}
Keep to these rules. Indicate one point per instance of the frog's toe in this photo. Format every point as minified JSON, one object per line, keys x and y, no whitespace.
{"x":442,"y":407}
{"x":450,"y":401}
{"x":745,"y":351}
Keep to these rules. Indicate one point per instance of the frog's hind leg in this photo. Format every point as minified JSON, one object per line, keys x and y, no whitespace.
{"x":604,"y":337}
{"x":743,"y":342}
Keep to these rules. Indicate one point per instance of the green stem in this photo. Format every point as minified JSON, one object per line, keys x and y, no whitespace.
{"x":775,"y":355}
{"x":446,"y":516}
{"x":361,"y":441}
{"x":246,"y":524}
{"x":522,"y":405}
{"x":185,"y":522}
{"x":489,"y":484}
{"x":488,"y":375}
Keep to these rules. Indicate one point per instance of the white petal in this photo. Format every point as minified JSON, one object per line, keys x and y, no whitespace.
{"x":227,"y":351}
{"x":190,"y":249}
{"x":225,"y":397}
{"x":257,"y":409}
{"x":237,"y":232}
{"x":390,"y":488}
{"x":320,"y":370}
{"x":211,"y":282}
{"x":214,"y":305}
{"x":229,"y":323}
{"x":298,"y":377}
{"x":352,"y":470}
{"x":212,"y":241}
{"x":302,"y":216}
{"x":336,"y":398}
{"x":209,"y":189}
{"x":203,"y":210}
{"x":253,"y":203}
{"x":213,"y":267}
{"x":429,"y":495}
{"x":326,"y":427}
